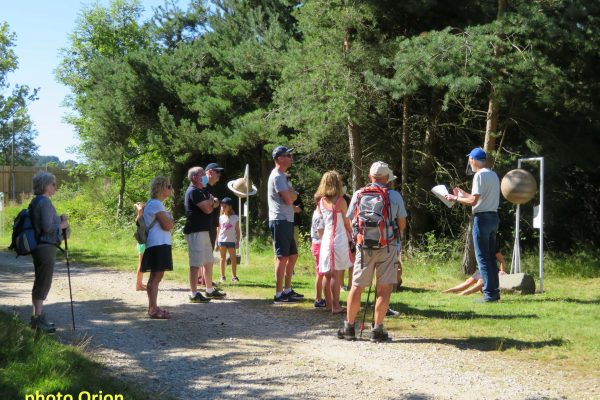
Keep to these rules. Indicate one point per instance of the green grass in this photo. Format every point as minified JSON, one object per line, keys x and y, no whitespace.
{"x":31,"y":362}
{"x":560,"y":326}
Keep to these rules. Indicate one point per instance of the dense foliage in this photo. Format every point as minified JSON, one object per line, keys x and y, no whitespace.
{"x":415,"y":83}
{"x":16,"y":128}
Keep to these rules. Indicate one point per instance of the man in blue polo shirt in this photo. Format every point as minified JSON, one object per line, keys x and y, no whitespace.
{"x":484,"y":199}
{"x":281,"y":196}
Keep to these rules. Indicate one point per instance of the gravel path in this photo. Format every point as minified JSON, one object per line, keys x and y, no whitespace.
{"x":245,"y":348}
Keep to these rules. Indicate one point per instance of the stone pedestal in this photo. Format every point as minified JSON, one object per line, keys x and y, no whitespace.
{"x":517,"y":283}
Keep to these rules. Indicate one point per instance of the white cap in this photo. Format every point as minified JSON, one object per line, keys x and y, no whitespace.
{"x":379,"y":169}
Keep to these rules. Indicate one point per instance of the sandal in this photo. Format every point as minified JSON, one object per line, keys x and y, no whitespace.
{"x":140,"y":288}
{"x":159,"y":313}
{"x":340,"y":311}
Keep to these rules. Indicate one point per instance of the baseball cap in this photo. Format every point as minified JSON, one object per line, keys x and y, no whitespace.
{"x":477,"y":154}
{"x":227,"y":200}
{"x":214,"y":166}
{"x":379,"y":169}
{"x":280,"y":150}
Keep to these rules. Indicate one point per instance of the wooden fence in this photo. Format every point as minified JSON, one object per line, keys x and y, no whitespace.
{"x":23,"y":185}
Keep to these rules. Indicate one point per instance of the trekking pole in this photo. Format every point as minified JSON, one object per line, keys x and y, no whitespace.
{"x":362,"y":324}
{"x":69,"y":277}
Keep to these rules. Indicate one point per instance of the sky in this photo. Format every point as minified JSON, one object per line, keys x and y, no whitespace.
{"x":42,"y":28}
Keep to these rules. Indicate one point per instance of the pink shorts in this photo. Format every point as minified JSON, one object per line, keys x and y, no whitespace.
{"x":315,"y":249}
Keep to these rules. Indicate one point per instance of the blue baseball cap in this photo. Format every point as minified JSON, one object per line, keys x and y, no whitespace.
{"x":280,"y":150}
{"x":227,"y":200}
{"x":214,"y":166}
{"x":477,"y":154}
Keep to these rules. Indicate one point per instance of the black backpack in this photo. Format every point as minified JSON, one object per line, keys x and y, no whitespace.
{"x":24,"y":237}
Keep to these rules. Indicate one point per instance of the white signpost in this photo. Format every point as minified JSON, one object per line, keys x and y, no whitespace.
{"x":538,"y":223}
{"x":243,"y":189}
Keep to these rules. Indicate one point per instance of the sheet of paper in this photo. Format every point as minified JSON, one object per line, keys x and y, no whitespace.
{"x":440,"y":191}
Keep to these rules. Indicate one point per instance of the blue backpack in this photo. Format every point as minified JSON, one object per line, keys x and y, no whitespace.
{"x":24,"y":237}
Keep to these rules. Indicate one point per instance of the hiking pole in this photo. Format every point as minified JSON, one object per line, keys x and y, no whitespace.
{"x":362,"y":324}
{"x":69,"y":276}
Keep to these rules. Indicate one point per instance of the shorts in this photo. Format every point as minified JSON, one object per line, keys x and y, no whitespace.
{"x":282,"y":232}
{"x":315,"y":249}
{"x":140,"y":248}
{"x":229,"y":245}
{"x":200,"y":249}
{"x":385,"y":261}
{"x":157,"y":258}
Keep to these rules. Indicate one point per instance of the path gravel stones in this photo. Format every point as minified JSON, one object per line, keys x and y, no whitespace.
{"x":247,"y":348}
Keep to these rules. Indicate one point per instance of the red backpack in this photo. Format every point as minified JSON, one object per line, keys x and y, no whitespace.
{"x":372,"y":224}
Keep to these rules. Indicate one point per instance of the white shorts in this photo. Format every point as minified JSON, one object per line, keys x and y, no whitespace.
{"x":200,"y":249}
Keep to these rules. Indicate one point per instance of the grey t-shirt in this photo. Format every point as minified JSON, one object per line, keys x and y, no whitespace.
{"x":278,"y":210}
{"x":487,"y":185}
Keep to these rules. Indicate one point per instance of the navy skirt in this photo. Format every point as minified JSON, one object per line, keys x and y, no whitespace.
{"x":157,"y":258}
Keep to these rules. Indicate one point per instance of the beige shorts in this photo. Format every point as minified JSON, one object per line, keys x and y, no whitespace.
{"x":384,"y":261}
{"x":200,"y":249}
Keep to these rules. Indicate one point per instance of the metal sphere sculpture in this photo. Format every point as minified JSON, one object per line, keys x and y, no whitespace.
{"x":518,"y":186}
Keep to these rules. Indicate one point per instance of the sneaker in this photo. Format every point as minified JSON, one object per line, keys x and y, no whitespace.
{"x":285,"y":298}
{"x":320,"y":303}
{"x":391,"y":313}
{"x":379,"y":335}
{"x":347,"y":332}
{"x":295,"y":295}
{"x":235,"y":279}
{"x":223,"y":279}
{"x":216,"y":294}
{"x":39,"y":323}
{"x":198,"y":298}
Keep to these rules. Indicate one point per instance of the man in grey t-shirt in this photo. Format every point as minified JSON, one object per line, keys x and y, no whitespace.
{"x":281,"y":196}
{"x":484,"y":199}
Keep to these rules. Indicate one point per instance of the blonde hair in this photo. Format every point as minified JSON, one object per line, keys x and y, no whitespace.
{"x":158,"y":184}
{"x":330,"y":186}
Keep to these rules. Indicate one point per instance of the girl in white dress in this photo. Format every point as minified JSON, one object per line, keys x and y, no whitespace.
{"x":335,"y":235}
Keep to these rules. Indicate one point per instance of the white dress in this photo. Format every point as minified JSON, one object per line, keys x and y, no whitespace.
{"x":335,"y":251}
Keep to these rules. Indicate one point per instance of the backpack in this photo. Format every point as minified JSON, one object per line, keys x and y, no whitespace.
{"x":24,"y":236}
{"x":141,"y":231}
{"x":372,"y":227}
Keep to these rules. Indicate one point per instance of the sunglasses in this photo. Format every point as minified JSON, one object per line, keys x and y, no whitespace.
{"x":169,"y":187}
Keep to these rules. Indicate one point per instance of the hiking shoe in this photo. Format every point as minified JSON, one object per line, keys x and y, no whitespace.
{"x":347,"y":332}
{"x":295,"y":295}
{"x":39,"y":323}
{"x":198,"y":298}
{"x":235,"y":279}
{"x":215,"y":294}
{"x":285,"y":298}
{"x":320,"y":303}
{"x":391,"y":313}
{"x":379,"y":335}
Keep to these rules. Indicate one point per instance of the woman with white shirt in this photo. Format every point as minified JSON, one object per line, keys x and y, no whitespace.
{"x":157,"y":257}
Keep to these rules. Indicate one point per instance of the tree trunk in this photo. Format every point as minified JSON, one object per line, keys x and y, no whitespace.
{"x":177,"y":178}
{"x":469,"y":264}
{"x":421,"y":218}
{"x":266,"y":165}
{"x":355,"y":154}
{"x":405,"y":140}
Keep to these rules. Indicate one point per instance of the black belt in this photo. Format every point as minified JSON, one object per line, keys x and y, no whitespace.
{"x":486,"y":212}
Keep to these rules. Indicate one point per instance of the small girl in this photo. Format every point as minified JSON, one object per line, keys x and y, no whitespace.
{"x":139,"y":284}
{"x":315,"y":249}
{"x":228,"y":237}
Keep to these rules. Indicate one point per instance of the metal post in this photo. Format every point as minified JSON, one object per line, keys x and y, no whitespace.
{"x":247,"y":209}
{"x":516,"y":259}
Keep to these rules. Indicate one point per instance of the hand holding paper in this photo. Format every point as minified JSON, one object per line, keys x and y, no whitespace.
{"x":441,"y":191}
